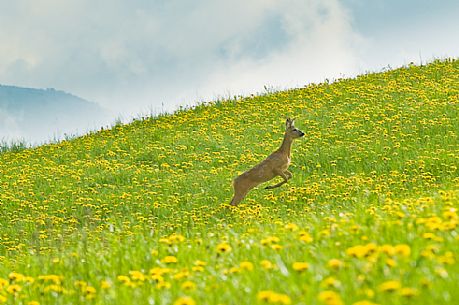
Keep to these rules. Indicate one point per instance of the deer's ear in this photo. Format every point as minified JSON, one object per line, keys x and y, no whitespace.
{"x":289,"y":123}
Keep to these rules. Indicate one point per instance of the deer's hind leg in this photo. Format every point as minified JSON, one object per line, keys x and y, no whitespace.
{"x":241,"y":188}
{"x":285,"y":175}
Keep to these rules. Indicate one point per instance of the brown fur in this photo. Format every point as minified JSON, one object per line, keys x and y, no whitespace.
{"x":276,"y":164}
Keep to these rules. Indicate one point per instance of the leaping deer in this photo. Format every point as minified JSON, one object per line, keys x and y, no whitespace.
{"x":276,"y":164}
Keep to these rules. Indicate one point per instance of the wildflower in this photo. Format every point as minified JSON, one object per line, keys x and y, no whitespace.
{"x":331,"y":282}
{"x":124,"y":279}
{"x":31,"y":303}
{"x":267,"y":264}
{"x":300,"y":266}
{"x":184,"y":301}
{"x":169,"y":260}
{"x":16,"y":277}
{"x":13,"y":289}
{"x":291,"y":227}
{"x":356,"y":251}
{"x":223,"y":248}
{"x":272,"y":297}
{"x":3,"y":299}
{"x":89,"y":292}
{"x":335,"y":264}
{"x":200,"y":263}
{"x":197,"y":268}
{"x":105,"y":284}
{"x":390,"y":286}
{"x":137,"y":275}
{"x":159,"y":271}
{"x":270,"y":240}
{"x":280,"y":298}
{"x":330,"y":297}
{"x":408,"y":292}
{"x":56,"y":279}
{"x":54,"y":288}
{"x":387,"y":249}
{"x":188,"y":285}
{"x":402,"y":250}
{"x":248,"y":266}
{"x":305,"y":237}
{"x":163,"y":285}
{"x":276,"y":247}
{"x":3,"y":283}
{"x":182,"y":274}
{"x":390,"y":262}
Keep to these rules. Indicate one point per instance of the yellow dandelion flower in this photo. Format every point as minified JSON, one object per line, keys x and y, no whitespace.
{"x":200,"y":263}
{"x":390,"y":262}
{"x":291,"y":227}
{"x":330,"y":282}
{"x":306,"y":237}
{"x":137,"y":275}
{"x":184,"y":301}
{"x":159,"y":271}
{"x":123,"y":279}
{"x":330,"y":297}
{"x":402,"y":250}
{"x":270,"y":240}
{"x":276,"y":247}
{"x":335,"y":264}
{"x":3,"y":299}
{"x":105,"y":284}
{"x":182,"y":274}
{"x":265,"y":264}
{"x":163,"y":285}
{"x":223,"y":248}
{"x":13,"y":289}
{"x":390,"y":286}
{"x":188,"y":285}
{"x":408,"y":292}
{"x":264,"y":295}
{"x":197,"y":268}
{"x":300,"y":266}
{"x":387,"y":249}
{"x":248,"y":266}
{"x":280,"y":298}
{"x":169,"y":260}
{"x":16,"y":277}
{"x":3,"y":283}
{"x":33,"y":303}
{"x":272,"y":297}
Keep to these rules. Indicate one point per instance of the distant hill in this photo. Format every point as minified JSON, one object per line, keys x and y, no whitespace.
{"x":38,"y":115}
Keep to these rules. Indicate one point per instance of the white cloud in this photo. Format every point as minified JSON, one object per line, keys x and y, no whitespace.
{"x":130,"y":55}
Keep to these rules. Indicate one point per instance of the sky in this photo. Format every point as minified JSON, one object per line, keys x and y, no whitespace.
{"x":148,"y":56}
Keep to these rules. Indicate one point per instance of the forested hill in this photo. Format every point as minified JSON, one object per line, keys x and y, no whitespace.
{"x":40,"y":114}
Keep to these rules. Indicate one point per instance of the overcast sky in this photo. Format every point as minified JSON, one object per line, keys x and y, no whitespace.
{"x":136,"y":56}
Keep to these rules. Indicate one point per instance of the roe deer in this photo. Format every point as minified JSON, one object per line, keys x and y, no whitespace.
{"x":276,"y":164}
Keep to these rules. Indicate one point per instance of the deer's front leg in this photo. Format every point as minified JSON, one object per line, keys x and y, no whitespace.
{"x":284,"y":176}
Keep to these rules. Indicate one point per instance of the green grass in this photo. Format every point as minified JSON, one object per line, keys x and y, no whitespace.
{"x":374,"y":190}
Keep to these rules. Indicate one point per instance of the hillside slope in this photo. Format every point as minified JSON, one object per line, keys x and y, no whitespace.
{"x":140,"y":213}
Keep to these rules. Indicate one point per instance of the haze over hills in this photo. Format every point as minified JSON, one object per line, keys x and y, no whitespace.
{"x":40,"y":115}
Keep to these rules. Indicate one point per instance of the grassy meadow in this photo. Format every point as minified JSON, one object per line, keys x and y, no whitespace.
{"x":139,"y":214}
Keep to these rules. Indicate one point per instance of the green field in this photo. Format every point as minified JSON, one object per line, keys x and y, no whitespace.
{"x":139,"y":214}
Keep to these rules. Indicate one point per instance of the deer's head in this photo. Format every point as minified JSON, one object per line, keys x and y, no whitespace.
{"x":291,"y":131}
